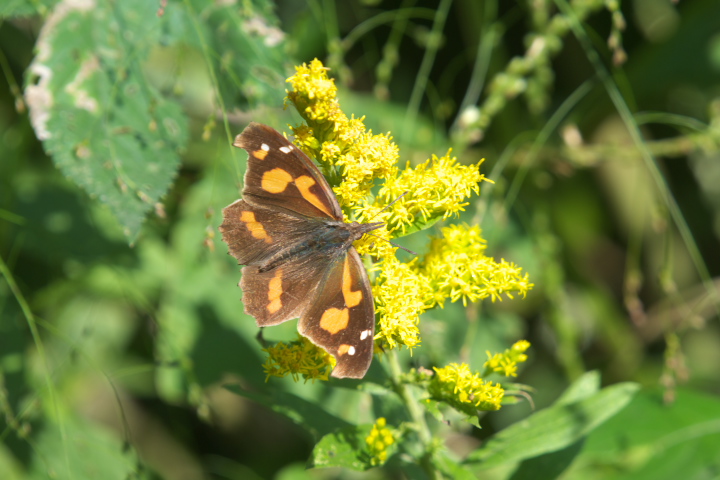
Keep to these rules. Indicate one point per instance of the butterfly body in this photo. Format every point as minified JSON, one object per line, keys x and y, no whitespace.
{"x":288,"y":231}
{"x":327,"y":238}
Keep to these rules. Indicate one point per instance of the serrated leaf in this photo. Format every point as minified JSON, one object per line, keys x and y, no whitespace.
{"x":105,"y":126}
{"x":554,"y":428}
{"x":344,"y":448}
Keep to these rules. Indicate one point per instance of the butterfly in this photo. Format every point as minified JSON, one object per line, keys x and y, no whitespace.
{"x":299,"y":261}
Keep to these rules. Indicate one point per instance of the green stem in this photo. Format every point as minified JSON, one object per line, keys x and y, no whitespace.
{"x":417,"y":414}
{"x":421,"y":80}
{"x":44,"y":361}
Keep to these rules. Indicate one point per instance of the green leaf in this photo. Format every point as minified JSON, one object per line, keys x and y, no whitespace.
{"x":548,"y":466}
{"x":554,"y":428}
{"x":21,"y":8}
{"x":652,"y":440}
{"x":312,"y":417}
{"x":451,"y":468}
{"x":344,"y":448}
{"x":78,"y":450}
{"x":246,"y":48}
{"x":588,"y":384}
{"x":433,"y":408}
{"x":105,"y":126}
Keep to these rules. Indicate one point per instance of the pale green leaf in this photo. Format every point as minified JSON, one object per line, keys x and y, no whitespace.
{"x":78,"y":450}
{"x":554,"y":428}
{"x":105,"y":126}
{"x":344,"y":448}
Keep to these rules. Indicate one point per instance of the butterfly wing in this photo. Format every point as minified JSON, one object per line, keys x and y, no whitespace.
{"x":281,"y":175}
{"x":341,"y":318}
{"x":254,"y":234}
{"x":282,"y":293}
{"x":258,"y":236}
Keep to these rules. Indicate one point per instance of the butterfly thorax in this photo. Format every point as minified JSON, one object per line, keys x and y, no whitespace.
{"x":331,"y":238}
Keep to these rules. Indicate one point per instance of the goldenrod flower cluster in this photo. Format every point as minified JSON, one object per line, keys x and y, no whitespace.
{"x":354,"y":160}
{"x":457,"y":268}
{"x":300,"y":357}
{"x":435,"y":189}
{"x":399,"y":294}
{"x":351,"y":157}
{"x":464,"y":390}
{"x":378,"y":441}
{"x":506,"y":362}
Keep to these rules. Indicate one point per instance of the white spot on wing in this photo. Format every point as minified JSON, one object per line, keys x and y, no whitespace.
{"x":351,"y":351}
{"x":286,"y":149}
{"x":265,"y":147}
{"x":364,"y":334}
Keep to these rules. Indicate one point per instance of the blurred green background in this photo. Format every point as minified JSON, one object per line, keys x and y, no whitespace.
{"x":124,"y":349}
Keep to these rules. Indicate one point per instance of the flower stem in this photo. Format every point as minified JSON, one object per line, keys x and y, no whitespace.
{"x":416,"y":414}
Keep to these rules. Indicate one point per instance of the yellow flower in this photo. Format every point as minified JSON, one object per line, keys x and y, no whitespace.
{"x":506,"y":362}
{"x":300,"y":357}
{"x":457,"y":268}
{"x":351,"y":156}
{"x":314,"y":93}
{"x":464,"y":390}
{"x":354,"y":161}
{"x":378,"y":441}
{"x":399,"y":300}
{"x":435,"y":189}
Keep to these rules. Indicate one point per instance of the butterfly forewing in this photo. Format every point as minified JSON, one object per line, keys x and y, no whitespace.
{"x":342,"y":318}
{"x":255,"y":235}
{"x":281,"y":175}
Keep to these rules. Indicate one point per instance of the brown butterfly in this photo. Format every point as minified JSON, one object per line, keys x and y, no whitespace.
{"x":288,"y":230}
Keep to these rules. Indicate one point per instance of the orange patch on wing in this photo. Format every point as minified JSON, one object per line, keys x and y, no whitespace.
{"x":334,"y":320}
{"x":344,"y":348}
{"x":275,"y":180}
{"x":352,"y":299}
{"x":275,"y":290}
{"x":303,"y":184}
{"x":260,"y":154}
{"x":254,"y":227}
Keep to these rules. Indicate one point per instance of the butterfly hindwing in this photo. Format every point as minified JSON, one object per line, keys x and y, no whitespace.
{"x":283,"y":293}
{"x":281,"y":175}
{"x":341,"y":319}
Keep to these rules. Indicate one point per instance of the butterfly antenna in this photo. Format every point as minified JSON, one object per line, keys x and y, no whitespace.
{"x":385,"y":208}
{"x":392,"y":243}
{"x":390,"y":204}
